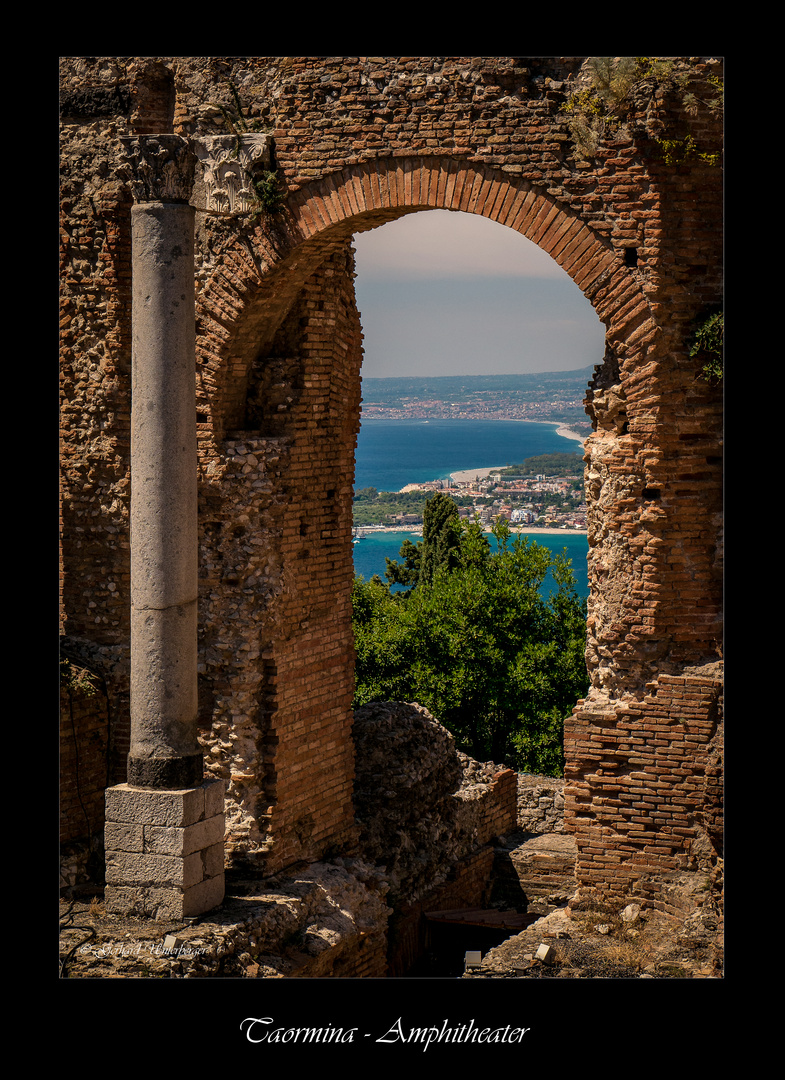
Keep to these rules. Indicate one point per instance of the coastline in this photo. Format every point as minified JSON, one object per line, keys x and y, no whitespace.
{"x":464,"y":476}
{"x":416,"y":530}
{"x":561,"y":429}
{"x":564,"y":430}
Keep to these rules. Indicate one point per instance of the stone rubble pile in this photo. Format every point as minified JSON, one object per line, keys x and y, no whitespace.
{"x":637,"y":942}
{"x":300,"y":925}
{"x":417,"y":798}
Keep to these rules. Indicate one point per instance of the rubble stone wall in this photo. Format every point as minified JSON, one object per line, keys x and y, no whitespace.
{"x":540,"y":804}
{"x":423,"y":807}
{"x":359,"y":141}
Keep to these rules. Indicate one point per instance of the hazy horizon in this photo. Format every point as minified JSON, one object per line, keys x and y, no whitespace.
{"x":483,"y":374}
{"x":446,"y":293}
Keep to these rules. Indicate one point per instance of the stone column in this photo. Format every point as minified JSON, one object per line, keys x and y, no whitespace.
{"x":165,"y":827}
{"x":165,"y":752}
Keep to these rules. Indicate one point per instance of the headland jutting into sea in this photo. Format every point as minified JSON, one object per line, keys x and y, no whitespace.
{"x":391,"y":448}
{"x":468,"y":482}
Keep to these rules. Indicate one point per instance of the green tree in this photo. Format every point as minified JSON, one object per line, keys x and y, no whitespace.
{"x":496,"y":662}
{"x":406,"y":573}
{"x":440,"y":546}
{"x":707,"y":343}
{"x":441,"y":536}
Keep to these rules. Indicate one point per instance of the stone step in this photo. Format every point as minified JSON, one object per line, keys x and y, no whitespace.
{"x":533,"y":868}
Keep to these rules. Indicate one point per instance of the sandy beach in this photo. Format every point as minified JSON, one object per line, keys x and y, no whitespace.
{"x":568,"y":433}
{"x":465,"y":476}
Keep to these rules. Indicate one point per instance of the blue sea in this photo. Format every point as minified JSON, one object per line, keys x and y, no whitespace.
{"x":392,"y":453}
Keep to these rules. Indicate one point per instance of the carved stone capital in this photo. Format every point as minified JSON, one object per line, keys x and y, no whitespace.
{"x":158,"y":168}
{"x":228,"y":164}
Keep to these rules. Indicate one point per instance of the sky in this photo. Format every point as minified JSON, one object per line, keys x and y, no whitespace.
{"x":446,"y":293}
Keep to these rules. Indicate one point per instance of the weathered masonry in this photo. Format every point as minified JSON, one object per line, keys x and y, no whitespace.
{"x":355,"y":142}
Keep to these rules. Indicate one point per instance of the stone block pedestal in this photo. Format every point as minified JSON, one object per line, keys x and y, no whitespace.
{"x":164,"y":850}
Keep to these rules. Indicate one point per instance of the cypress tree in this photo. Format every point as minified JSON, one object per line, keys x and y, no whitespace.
{"x":441,"y":536}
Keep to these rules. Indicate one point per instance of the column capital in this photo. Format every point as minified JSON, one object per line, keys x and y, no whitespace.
{"x":228,"y":164}
{"x":158,"y":168}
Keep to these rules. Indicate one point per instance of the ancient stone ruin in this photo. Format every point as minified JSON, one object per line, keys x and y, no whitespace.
{"x":210,"y":374}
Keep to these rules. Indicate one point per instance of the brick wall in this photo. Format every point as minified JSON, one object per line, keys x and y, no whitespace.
{"x":642,"y":788}
{"x":500,"y":809}
{"x":276,"y":648}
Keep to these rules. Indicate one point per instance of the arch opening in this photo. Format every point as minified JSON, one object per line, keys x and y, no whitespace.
{"x":473,"y":308}
{"x":256,"y":283}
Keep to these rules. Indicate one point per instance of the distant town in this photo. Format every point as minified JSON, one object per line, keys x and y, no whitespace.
{"x":555,"y":397}
{"x":541,"y":492}
{"x":552,"y":498}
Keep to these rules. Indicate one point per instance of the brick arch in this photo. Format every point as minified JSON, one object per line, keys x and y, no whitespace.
{"x":257,"y":284}
{"x":252,"y":288}
{"x":368,"y":195}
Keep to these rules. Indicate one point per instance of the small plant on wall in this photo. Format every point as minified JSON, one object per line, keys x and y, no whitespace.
{"x":707,"y":344}
{"x":596,"y":110}
{"x":614,"y":86}
{"x":270,"y":194}
{"x":77,"y":679}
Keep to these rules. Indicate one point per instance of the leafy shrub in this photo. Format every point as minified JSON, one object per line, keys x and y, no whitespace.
{"x":480,"y":647}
